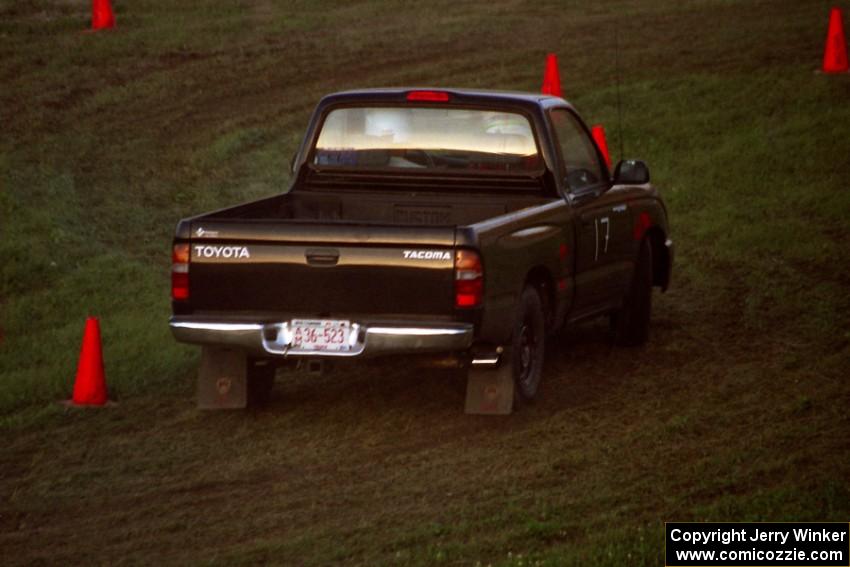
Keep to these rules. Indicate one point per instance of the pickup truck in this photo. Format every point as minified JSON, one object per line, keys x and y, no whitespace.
{"x":460,"y":225}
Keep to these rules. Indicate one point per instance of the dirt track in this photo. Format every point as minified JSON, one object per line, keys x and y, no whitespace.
{"x":383,"y":459}
{"x":735,"y":410}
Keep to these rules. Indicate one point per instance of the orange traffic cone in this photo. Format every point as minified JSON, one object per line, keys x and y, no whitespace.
{"x":835,"y":51}
{"x":551,"y":78}
{"x":598,"y":132}
{"x":90,"y":384}
{"x":102,"y":16}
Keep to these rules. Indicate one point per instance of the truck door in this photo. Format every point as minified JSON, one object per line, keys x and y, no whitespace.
{"x":602,"y":218}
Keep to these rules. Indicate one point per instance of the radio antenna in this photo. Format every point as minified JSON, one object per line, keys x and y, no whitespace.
{"x":619,"y":98}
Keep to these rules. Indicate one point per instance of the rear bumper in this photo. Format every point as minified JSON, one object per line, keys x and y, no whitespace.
{"x":271,"y":339}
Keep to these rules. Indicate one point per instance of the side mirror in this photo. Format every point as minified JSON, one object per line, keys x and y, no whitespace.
{"x":631,"y":172}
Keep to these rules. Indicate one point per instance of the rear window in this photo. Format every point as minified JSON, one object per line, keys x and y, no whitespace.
{"x":427,"y":138}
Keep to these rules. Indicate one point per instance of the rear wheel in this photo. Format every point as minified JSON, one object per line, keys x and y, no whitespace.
{"x":527,"y":345}
{"x":631,"y":323}
{"x":260,"y":381}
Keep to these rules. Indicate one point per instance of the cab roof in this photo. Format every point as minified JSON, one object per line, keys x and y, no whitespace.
{"x":454,"y":96}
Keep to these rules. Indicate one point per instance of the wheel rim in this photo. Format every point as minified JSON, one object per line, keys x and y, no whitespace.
{"x":527,"y":348}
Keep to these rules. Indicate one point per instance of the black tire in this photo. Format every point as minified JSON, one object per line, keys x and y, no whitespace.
{"x":260,"y":382}
{"x":527,"y":346}
{"x":631,"y":323}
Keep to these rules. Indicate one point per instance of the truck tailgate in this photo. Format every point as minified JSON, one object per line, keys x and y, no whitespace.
{"x":308,"y":268}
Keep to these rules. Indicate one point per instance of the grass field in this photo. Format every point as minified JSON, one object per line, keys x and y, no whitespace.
{"x":737,"y":409}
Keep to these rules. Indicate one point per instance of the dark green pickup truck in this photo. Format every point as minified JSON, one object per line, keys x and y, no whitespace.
{"x":462,"y":225}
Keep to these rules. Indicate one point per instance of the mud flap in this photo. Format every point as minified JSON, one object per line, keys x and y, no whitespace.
{"x":222,"y":381}
{"x":490,"y":391}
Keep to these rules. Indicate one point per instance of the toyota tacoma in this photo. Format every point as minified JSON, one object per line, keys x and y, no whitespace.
{"x":463,"y":225}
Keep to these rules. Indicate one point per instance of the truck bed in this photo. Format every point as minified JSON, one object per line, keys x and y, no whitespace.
{"x":381,"y":207}
{"x":337,"y":253}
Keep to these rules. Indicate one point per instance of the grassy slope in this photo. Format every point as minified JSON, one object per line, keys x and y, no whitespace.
{"x":736,"y":410}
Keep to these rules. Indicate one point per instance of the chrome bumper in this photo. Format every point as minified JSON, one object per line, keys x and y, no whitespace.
{"x":365,"y":340}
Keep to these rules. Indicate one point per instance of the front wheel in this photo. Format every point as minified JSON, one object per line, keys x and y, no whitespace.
{"x":631,"y":323}
{"x":527,"y":345}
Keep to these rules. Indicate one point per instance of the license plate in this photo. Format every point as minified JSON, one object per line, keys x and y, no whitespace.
{"x":320,"y":335}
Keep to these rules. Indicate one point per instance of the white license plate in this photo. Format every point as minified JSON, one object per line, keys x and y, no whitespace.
{"x":320,"y":334}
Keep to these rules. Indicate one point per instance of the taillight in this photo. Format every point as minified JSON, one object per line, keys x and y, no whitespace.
{"x":428,"y":96}
{"x":469,"y":279}
{"x":180,"y":272}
